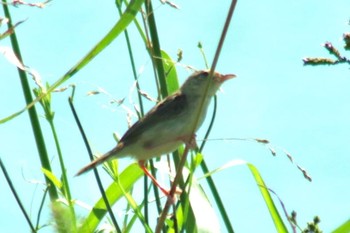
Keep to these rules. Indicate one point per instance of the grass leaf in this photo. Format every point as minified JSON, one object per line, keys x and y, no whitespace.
{"x":280,"y":227}
{"x":53,"y":178}
{"x":127,"y":179}
{"x":170,"y":73}
{"x":344,"y":228}
{"x":127,"y":17}
{"x":279,"y":224}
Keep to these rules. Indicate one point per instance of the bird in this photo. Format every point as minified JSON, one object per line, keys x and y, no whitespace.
{"x":169,"y":124}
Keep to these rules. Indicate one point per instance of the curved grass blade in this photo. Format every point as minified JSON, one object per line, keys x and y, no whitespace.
{"x":127,"y":179}
{"x":279,"y":224}
{"x":137,"y":213}
{"x":345,"y":227}
{"x":280,"y":227}
{"x":127,"y":17}
{"x":170,"y":73}
{"x":202,"y":209}
{"x":56,"y":181}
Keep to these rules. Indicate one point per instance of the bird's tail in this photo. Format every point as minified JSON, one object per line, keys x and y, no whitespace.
{"x":98,"y":161}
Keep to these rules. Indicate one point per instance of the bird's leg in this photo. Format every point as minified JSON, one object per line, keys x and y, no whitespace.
{"x":189,"y":141}
{"x":143,"y":167}
{"x":192,"y":144}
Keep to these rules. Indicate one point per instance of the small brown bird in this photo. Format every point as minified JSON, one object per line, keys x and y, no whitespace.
{"x":167,"y":125}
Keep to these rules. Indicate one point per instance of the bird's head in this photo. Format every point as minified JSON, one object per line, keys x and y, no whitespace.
{"x":197,"y":83}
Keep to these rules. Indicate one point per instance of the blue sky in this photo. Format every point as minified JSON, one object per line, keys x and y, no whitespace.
{"x":301,"y":109}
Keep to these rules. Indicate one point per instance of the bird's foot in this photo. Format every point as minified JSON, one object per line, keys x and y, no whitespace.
{"x":168,"y":193}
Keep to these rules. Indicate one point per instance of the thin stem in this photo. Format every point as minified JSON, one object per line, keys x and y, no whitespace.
{"x":200,"y":46}
{"x":210,"y":124}
{"x":155,"y":54}
{"x":41,"y":208}
{"x":210,"y":180}
{"x":183,"y":159}
{"x":13,"y":190}
{"x":99,"y":183}
{"x":155,"y":48}
{"x":170,"y":201}
{"x":155,"y":188}
{"x":203,"y":164}
{"x":217,"y":198}
{"x":132,"y":60}
{"x":133,"y":67}
{"x":223,"y":35}
{"x":66,"y":190}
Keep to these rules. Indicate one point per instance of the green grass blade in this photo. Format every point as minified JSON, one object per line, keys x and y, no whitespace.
{"x":155,"y":50}
{"x":217,"y":198}
{"x":344,"y":228}
{"x":170,"y":73}
{"x":127,"y":179}
{"x":280,"y":227}
{"x":279,"y":224}
{"x":137,"y":210}
{"x":33,"y":116}
{"x":124,"y":21}
{"x":202,"y":210}
{"x":56,"y":181}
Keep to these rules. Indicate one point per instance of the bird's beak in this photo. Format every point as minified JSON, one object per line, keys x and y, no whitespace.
{"x":224,"y":77}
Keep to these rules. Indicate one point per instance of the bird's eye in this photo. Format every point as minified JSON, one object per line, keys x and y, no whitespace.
{"x":204,"y":74}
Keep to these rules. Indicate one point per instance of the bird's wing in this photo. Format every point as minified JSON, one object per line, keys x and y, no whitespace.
{"x":171,"y":107}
